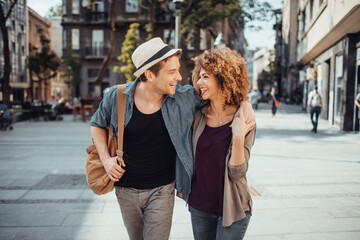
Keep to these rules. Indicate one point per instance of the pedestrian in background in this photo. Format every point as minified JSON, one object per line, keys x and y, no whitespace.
{"x":314,"y":103}
{"x":220,"y":203}
{"x":274,"y":102}
{"x":357,"y":103}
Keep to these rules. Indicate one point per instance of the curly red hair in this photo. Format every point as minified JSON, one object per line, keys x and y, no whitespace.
{"x":229,"y":69}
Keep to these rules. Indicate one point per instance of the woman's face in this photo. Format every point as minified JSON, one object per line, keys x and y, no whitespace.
{"x":208,"y":86}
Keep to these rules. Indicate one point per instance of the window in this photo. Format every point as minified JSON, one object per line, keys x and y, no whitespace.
{"x":169,"y":37}
{"x":338,"y":87}
{"x":93,"y":72}
{"x":64,"y":7}
{"x":203,"y":39}
{"x":75,"y":7}
{"x":64,"y":43}
{"x":98,"y":7}
{"x":97,"y":42}
{"x":131,"y":6}
{"x":311,"y":9}
{"x":75,"y":39}
{"x":190,"y":41}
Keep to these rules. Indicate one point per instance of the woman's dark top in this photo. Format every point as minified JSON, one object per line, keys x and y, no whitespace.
{"x":208,"y":182}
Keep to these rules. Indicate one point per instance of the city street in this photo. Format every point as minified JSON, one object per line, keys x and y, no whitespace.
{"x":305,"y":186}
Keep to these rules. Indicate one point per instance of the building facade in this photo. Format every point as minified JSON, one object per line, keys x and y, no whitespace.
{"x":18,"y":42}
{"x":86,"y":32}
{"x":329,"y":48}
{"x":321,"y":46}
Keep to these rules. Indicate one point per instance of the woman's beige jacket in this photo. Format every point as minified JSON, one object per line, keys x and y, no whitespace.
{"x":237,"y":199}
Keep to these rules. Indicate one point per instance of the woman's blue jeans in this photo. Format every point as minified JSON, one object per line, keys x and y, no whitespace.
{"x":208,"y":226}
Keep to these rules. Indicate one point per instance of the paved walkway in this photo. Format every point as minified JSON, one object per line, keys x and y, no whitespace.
{"x":309,"y":183}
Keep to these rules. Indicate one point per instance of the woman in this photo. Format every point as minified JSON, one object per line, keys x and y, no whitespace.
{"x":273,"y":102}
{"x":220,"y":203}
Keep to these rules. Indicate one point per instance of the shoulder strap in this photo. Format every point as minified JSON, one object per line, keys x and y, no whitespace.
{"x":121,"y":100}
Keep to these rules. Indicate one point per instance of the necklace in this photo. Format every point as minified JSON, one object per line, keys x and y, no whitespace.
{"x":220,"y":123}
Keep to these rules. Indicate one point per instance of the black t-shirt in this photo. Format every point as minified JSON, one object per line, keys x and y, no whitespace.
{"x":149,"y":154}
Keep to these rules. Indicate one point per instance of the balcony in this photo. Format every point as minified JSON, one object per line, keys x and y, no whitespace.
{"x":96,"y":50}
{"x":96,"y":16}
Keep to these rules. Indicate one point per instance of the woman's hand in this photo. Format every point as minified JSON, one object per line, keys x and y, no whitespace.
{"x":240,"y":127}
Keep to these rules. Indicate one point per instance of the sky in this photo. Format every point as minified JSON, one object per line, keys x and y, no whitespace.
{"x":255,"y":39}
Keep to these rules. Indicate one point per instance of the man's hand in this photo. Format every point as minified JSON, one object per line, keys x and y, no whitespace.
{"x":113,"y":169}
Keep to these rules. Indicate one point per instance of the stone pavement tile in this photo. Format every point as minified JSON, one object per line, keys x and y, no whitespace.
{"x":26,"y":182}
{"x":19,"y":208}
{"x":351,"y":188}
{"x":88,"y":194}
{"x":280,"y":225}
{"x":6,"y":182}
{"x":263,"y":203}
{"x":31,"y":220}
{"x":72,"y":207}
{"x":267,"y":237}
{"x":110,"y":233}
{"x":111,"y":207}
{"x":52,"y":194}
{"x":181,"y":213}
{"x":330,"y":202}
{"x":7,"y":233}
{"x":310,"y":190}
{"x":291,"y":214}
{"x":55,"y":233}
{"x":181,"y":231}
{"x":93,"y":219}
{"x":325,"y":236}
{"x":11,"y":194}
{"x":346,"y":212}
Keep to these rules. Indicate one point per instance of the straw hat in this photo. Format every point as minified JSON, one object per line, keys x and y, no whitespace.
{"x":149,"y":53}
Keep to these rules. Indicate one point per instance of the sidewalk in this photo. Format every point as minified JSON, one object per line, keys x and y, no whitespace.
{"x":309,"y":183}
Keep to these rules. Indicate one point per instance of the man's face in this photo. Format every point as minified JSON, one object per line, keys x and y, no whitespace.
{"x":168,"y":76}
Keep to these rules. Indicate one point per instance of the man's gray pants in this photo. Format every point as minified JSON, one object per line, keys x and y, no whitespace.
{"x":147,"y":213}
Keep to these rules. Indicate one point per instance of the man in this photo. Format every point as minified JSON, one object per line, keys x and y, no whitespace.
{"x":314,"y":103}
{"x":157,"y":140}
{"x":357,"y":103}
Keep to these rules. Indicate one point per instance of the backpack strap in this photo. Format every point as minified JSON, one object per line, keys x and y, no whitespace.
{"x":121,"y":100}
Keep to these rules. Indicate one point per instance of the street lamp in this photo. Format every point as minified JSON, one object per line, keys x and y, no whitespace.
{"x":178,"y":4}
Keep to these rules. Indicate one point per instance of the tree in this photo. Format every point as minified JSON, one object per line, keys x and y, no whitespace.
{"x":5,"y":81}
{"x":44,"y":63}
{"x":72,"y":71}
{"x":55,"y":11}
{"x":202,"y":14}
{"x":107,"y":60}
{"x":131,"y":42}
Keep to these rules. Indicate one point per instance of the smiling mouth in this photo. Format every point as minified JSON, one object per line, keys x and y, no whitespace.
{"x":203,"y":90}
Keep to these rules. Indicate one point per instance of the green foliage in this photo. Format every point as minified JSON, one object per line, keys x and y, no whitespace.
{"x":43,"y":63}
{"x":55,"y":11}
{"x":201,"y":14}
{"x":73,"y":68}
{"x":131,"y":42}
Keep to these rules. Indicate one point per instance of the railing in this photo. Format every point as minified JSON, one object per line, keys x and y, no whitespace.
{"x":95,"y":50}
{"x":96,"y":16}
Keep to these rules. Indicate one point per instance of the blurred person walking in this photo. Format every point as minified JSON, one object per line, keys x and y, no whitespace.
{"x":357,"y":103}
{"x":314,"y":103}
{"x":220,"y":203}
{"x":274,"y":102}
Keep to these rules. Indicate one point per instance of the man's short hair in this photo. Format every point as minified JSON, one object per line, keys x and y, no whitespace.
{"x":157,"y":67}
